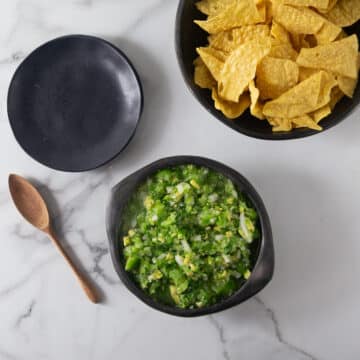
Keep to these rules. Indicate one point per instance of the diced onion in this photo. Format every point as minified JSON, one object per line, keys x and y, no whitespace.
{"x":179,"y":260}
{"x":185,"y":245}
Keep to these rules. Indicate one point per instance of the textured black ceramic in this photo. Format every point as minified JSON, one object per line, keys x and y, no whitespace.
{"x":74,"y":103}
{"x":189,"y":36}
{"x":263,"y":250}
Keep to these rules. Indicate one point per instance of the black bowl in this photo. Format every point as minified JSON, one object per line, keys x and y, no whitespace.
{"x":74,"y":103}
{"x":263,"y":250}
{"x":189,"y":36}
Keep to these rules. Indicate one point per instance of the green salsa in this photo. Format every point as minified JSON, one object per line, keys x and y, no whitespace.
{"x":188,"y":234}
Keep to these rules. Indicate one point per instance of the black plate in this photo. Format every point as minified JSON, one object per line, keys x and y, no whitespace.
{"x":263,"y":251}
{"x":74,"y":103}
{"x":189,"y":36}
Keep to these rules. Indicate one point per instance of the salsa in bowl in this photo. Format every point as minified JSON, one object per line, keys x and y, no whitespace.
{"x":189,"y":236}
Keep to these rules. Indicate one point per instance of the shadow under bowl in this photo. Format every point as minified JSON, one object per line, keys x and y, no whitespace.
{"x":189,"y":36}
{"x":263,"y":258}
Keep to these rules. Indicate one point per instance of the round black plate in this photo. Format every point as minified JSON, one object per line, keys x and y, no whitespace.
{"x":74,"y":103}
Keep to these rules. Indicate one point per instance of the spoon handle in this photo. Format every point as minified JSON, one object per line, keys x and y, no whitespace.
{"x":89,"y":290}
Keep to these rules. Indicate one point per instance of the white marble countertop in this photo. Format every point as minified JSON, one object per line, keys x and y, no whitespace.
{"x":311,"y":188}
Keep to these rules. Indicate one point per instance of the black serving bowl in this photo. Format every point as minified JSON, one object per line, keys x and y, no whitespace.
{"x":189,"y":36}
{"x":263,"y":259}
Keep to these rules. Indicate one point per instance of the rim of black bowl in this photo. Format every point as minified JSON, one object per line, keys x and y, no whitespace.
{"x":263,"y":267}
{"x":131,"y":66}
{"x":203,"y":95}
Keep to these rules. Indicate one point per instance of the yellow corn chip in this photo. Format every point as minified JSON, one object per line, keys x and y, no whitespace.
{"x":347,"y":85}
{"x":280,"y":124}
{"x":219,"y":54}
{"x":339,"y":57}
{"x":213,"y":7}
{"x":276,"y":76}
{"x":229,"y":40}
{"x":328,"y":33}
{"x":299,"y":41}
{"x":262,"y":11}
{"x":298,"y":20}
{"x":255,"y":107}
{"x":240,"y":68}
{"x":332,"y":3}
{"x":309,"y":95}
{"x":305,"y":121}
{"x":231,"y":109}
{"x":342,"y":35}
{"x":269,"y":11}
{"x":305,"y":73}
{"x":283,"y":51}
{"x":335,"y":96}
{"x":321,"y":113}
{"x":239,"y":13}
{"x":319,"y":4}
{"x":280,"y":33}
{"x":344,"y":13}
{"x":202,"y":75}
{"x":296,"y":41}
{"x":213,"y":63}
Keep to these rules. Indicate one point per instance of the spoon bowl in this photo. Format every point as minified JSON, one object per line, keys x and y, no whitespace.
{"x":29,"y":202}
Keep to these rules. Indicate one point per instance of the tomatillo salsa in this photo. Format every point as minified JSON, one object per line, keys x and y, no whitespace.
{"x":188,"y":236}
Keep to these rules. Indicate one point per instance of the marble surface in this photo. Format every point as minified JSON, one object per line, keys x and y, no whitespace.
{"x":310,"y":187}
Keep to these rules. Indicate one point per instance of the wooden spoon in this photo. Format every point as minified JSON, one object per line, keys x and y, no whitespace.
{"x":33,"y":208}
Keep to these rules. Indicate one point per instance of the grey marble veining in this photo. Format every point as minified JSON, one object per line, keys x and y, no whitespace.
{"x":310,"y":309}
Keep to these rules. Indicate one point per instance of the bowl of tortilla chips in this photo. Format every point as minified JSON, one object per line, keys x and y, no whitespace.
{"x":271,"y":69}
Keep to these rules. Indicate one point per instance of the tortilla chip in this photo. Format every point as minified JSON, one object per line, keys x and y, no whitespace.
{"x":202,"y":75}
{"x":280,"y":124}
{"x":347,"y":85}
{"x":335,"y":96}
{"x":229,"y":40}
{"x":240,"y":68}
{"x":213,"y":63}
{"x":298,"y":20}
{"x":332,"y":3}
{"x":256,"y":106}
{"x":283,"y":51}
{"x":213,"y":7}
{"x":219,"y":54}
{"x":237,"y":14}
{"x":328,"y":33}
{"x":309,"y":95}
{"x":269,"y":11}
{"x":321,"y":113}
{"x":319,"y":4}
{"x":230,"y":109}
{"x":344,"y":13}
{"x":280,"y":33}
{"x":299,"y":41}
{"x":305,"y":121}
{"x":262,"y":11}
{"x":305,"y":73}
{"x":342,"y":35}
{"x":276,"y":76}
{"x":339,"y":57}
